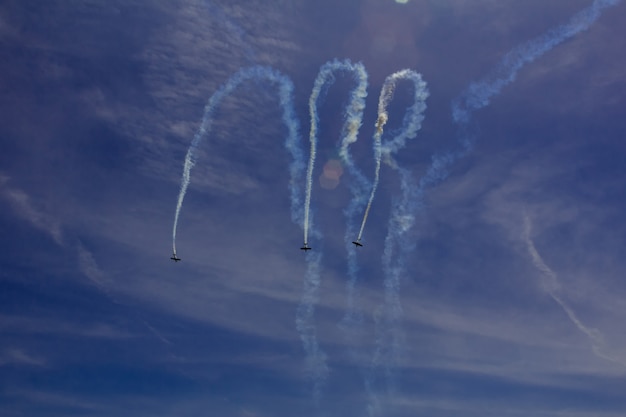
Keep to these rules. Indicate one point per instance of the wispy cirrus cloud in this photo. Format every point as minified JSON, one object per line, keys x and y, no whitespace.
{"x":20,"y":357}
{"x":31,"y":210}
{"x":33,"y":325}
{"x":552,"y":287}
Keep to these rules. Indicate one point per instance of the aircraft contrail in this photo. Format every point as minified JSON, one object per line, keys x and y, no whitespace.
{"x":316,"y":366}
{"x":411,"y":124}
{"x":389,"y":335}
{"x":354,"y":115}
{"x":292,"y":142}
{"x":552,"y":287}
{"x":359,"y":187}
{"x":349,"y":134}
{"x":316,"y":359}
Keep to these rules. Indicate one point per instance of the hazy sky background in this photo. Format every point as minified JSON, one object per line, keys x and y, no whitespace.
{"x":512,"y":285}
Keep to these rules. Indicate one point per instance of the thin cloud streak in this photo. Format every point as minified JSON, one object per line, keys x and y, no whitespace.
{"x":24,"y":207}
{"x":19,"y":357}
{"x":552,"y":287}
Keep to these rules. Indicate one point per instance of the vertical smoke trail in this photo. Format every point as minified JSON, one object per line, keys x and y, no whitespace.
{"x":389,"y":335}
{"x":354,"y":115}
{"x":398,"y":245}
{"x":316,"y":359}
{"x":411,"y":125}
{"x":551,"y":286}
{"x":386,"y":94}
{"x":317,"y":369}
{"x":285,"y":90}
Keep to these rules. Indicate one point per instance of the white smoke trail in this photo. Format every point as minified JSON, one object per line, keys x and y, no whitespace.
{"x":409,"y":130}
{"x":398,"y":246}
{"x":292,"y":142}
{"x":388,"y":334}
{"x":479,"y":93}
{"x":316,"y":366}
{"x":358,"y":188}
{"x":552,"y":287}
{"x":349,"y":134}
{"x":475,"y":97}
{"x":316,"y":359}
{"x":411,"y":124}
{"x":354,"y":115}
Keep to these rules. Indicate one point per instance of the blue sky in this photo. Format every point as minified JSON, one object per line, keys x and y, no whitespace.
{"x":504,"y":297}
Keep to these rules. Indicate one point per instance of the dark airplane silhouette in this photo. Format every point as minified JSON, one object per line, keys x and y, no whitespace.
{"x":305,"y":247}
{"x":356,"y":243}
{"x":175,"y":258}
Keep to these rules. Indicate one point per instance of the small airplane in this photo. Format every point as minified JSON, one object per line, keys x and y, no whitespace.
{"x":175,"y":258}
{"x":305,"y":247}
{"x":357,"y":243}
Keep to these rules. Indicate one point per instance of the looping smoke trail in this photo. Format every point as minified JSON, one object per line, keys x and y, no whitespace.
{"x":389,"y":335}
{"x":476,"y":96}
{"x":285,"y":94}
{"x":316,"y":359}
{"x":552,"y":287}
{"x":358,"y":186}
{"x":354,"y":115}
{"x":411,"y":124}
